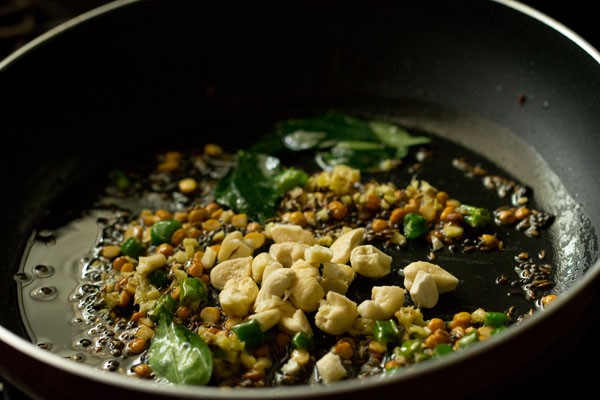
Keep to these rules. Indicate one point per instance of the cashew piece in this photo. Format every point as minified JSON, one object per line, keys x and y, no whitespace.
{"x":368,"y":260}
{"x":444,"y":280}
{"x":230,"y":269}
{"x":330,"y":368}
{"x":306,"y":292}
{"x":424,"y":291}
{"x":238,"y":296}
{"x":337,"y":277}
{"x":336,"y":314}
{"x":385,"y":301}
{"x":317,"y":255}
{"x":281,"y":233}
{"x":233,"y":246}
{"x":260,"y":264}
{"x":151,"y":263}
{"x":287,"y":253}
{"x":276,"y":284}
{"x":344,"y":244}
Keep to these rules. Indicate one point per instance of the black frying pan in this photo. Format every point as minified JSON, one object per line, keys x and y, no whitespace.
{"x":489,"y":75}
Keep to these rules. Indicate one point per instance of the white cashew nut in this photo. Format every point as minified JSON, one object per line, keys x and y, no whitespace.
{"x":230,"y":269}
{"x":233,"y":246}
{"x":281,"y":233}
{"x":444,"y":280}
{"x":369,"y":261}
{"x":344,"y":244}
{"x":238,"y":296}
{"x":336,"y":314}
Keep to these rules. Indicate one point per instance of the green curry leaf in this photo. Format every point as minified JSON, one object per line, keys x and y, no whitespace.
{"x":180,"y":355}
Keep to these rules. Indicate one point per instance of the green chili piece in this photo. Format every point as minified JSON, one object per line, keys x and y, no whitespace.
{"x":250,"y":333}
{"x":499,"y":329}
{"x":442,"y":349}
{"x":302,"y":340}
{"x":415,"y":225}
{"x":495,"y":319}
{"x":386,"y":332}
{"x":120,"y":180}
{"x":165,"y":306}
{"x":192,"y":293}
{"x":159,"y":278}
{"x":288,"y":179}
{"x":468,"y":340}
{"x":132,"y":247}
{"x":476,"y":217}
{"x":162,"y":231}
{"x":409,"y":348}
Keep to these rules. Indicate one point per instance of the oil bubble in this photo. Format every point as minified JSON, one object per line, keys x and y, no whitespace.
{"x":77,"y":357}
{"x":45,"y":293}
{"x":43,"y":271}
{"x":44,"y":345}
{"x":111,"y":365}
{"x":23,"y":277}
{"x":46,"y":236}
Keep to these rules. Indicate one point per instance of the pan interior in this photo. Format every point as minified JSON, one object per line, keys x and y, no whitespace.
{"x":61,"y":246}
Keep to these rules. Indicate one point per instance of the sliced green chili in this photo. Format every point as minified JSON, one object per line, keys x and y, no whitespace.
{"x":409,"y":348}
{"x":250,"y":333}
{"x":442,"y":349}
{"x":159,"y":278}
{"x":476,"y":217}
{"x":193,"y":292}
{"x":132,"y":247}
{"x":386,"y":332}
{"x":495,"y":319}
{"x":165,"y":306}
{"x":468,"y":340}
{"x":162,"y":231}
{"x":415,"y":225}
{"x":302,"y":340}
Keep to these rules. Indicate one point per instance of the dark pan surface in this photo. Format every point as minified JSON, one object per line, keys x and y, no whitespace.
{"x":156,"y":79}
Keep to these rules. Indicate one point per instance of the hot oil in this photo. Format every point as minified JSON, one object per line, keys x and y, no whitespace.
{"x":61,"y":272}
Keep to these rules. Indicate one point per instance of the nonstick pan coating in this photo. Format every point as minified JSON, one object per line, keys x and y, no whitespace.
{"x":482,"y":73}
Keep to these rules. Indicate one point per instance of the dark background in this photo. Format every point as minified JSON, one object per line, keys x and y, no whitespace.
{"x":32,"y":17}
{"x":23,"y":20}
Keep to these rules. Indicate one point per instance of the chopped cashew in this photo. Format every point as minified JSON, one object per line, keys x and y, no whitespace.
{"x":344,"y":244}
{"x":274,"y":302}
{"x":318,"y":254}
{"x":267,"y":319}
{"x":306,"y":292}
{"x":276,"y":284}
{"x":444,"y":280}
{"x":151,"y":263}
{"x":368,"y":260}
{"x":336,"y":314}
{"x":226,"y":270}
{"x":260,"y":263}
{"x":330,"y":368}
{"x":281,"y":233}
{"x":287,"y":253}
{"x":371,"y":310}
{"x":337,"y":277}
{"x":389,"y":298}
{"x":293,"y":322}
{"x":385,"y":301}
{"x":233,"y":246}
{"x":209,"y":258}
{"x":424,"y":291}
{"x":238,"y":296}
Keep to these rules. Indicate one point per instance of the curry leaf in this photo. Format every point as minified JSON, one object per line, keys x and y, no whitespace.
{"x":248,"y":187}
{"x":180,"y":355}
